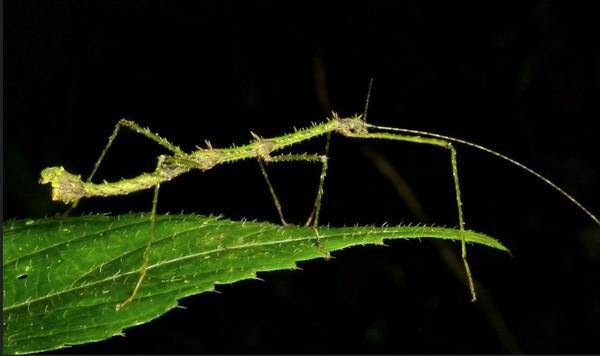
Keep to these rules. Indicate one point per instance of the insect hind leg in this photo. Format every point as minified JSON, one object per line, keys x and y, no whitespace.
{"x":454,"y":162}
{"x":136,"y":128}
{"x":146,"y":257}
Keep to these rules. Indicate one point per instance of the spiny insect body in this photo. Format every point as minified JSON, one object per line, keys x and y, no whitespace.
{"x":70,"y":188}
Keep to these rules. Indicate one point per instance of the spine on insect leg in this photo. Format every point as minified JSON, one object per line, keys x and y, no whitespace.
{"x":68,"y":187}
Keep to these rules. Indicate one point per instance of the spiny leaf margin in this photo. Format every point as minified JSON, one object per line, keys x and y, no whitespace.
{"x":63,"y":277}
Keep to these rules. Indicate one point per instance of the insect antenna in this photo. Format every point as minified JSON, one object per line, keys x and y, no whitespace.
{"x":364,"y":115}
{"x":499,"y":155}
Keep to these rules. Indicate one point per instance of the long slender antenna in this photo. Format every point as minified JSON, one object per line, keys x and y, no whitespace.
{"x":364,"y":117}
{"x":499,"y":155}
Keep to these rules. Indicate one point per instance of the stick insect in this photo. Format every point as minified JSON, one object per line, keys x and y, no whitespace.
{"x":70,"y":188}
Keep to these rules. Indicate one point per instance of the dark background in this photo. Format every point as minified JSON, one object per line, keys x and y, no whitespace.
{"x":520,"y":77}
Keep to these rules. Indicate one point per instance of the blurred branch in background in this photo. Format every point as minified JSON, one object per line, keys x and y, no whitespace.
{"x":448,"y":255}
{"x":485,"y":303}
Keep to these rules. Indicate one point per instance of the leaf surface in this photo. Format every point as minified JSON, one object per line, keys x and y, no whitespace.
{"x":63,"y":277}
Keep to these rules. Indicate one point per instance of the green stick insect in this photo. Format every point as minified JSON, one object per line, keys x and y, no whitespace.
{"x":70,"y":188}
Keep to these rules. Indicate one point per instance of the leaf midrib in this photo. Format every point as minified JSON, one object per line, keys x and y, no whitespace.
{"x":166,"y":262}
{"x":77,"y":238}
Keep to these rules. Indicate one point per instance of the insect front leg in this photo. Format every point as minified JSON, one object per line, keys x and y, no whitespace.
{"x":454,"y":163}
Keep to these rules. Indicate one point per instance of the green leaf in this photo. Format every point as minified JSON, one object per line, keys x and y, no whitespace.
{"x":62,"y":278}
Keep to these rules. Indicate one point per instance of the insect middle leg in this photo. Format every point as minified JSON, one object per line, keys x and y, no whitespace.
{"x":314,"y":215}
{"x":313,"y":218}
{"x":454,"y":163}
